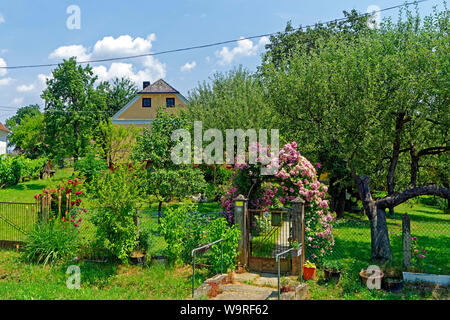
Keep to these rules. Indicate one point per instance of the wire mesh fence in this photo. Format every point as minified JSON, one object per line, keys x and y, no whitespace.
{"x":353,"y":240}
{"x":17,"y":220}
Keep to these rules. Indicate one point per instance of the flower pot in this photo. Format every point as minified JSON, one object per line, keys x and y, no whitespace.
{"x":392,"y":284}
{"x":332,"y":275}
{"x":365,"y":276}
{"x":309,"y":273}
{"x":138,"y":258}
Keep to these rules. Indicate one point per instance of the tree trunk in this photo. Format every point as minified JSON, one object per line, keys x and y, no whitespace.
{"x":400,"y":121}
{"x":340,"y":204}
{"x":381,"y":248}
{"x":159,"y":212}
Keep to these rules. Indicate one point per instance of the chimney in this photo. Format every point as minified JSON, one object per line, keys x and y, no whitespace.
{"x":145,"y":84}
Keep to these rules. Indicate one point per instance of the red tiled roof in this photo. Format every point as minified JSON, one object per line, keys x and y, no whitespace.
{"x":3,"y":128}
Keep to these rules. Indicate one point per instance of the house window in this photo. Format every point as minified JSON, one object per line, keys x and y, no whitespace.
{"x":170,"y":102}
{"x":146,"y":102}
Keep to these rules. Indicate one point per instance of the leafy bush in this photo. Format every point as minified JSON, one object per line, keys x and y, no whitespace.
{"x":219,"y":229}
{"x":183,"y":231}
{"x":90,"y":166}
{"x":116,"y":194}
{"x":10,"y":170}
{"x":52,"y":242}
{"x":13,"y":168}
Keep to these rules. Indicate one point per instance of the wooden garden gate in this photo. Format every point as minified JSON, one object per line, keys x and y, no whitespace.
{"x":266,"y":233}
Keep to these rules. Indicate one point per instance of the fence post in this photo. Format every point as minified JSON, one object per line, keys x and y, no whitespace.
{"x":137,"y":222}
{"x":298,"y":232}
{"x":240,"y":220}
{"x":406,"y":237}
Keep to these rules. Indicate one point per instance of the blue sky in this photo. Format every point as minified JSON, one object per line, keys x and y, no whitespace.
{"x":35,"y":32}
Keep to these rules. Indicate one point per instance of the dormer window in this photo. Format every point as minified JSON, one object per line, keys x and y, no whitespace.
{"x":170,"y":102}
{"x":146,"y":102}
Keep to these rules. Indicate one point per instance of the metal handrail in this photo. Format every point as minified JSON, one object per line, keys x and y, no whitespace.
{"x":193,"y":260}
{"x":277,"y":258}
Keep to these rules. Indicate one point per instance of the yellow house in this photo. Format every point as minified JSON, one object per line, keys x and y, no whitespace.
{"x":142,"y":109}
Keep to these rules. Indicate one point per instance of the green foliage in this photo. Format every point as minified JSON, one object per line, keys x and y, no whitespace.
{"x":71,"y":102}
{"x":51,"y":243}
{"x":220,"y":229}
{"x":115,"y":195}
{"x":183,"y":231}
{"x":232,"y":100}
{"x":309,"y":264}
{"x":332,"y":265}
{"x":90,"y":166}
{"x":164,"y":179}
{"x":13,"y":168}
{"x":27,"y":135}
{"x":21,"y":114}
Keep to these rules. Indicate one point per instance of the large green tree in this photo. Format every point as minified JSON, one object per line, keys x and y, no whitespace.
{"x":71,"y":103}
{"x":355,"y":99}
{"x":165,"y":179}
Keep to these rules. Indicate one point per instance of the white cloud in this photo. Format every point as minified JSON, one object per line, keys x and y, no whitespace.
{"x":244,"y":48}
{"x":42,"y":78}
{"x":6,"y":81}
{"x":2,"y":19}
{"x":17,"y":101}
{"x":66,"y":52}
{"x":25,"y":88}
{"x":153,"y":71}
{"x":125,"y":45}
{"x":3,"y":64}
{"x":188,"y":66}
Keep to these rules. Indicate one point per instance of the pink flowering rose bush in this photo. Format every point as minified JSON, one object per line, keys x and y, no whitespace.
{"x":297,"y":177}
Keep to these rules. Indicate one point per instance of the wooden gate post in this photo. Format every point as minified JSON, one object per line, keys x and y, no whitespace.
{"x":240,"y":220}
{"x":406,"y":237}
{"x":298,"y":232}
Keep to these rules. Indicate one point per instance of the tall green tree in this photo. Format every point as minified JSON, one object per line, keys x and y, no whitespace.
{"x":71,"y":103}
{"x":21,"y":113}
{"x":355,"y":99}
{"x":232,"y":100}
{"x":165,"y":180}
{"x":28,"y":135}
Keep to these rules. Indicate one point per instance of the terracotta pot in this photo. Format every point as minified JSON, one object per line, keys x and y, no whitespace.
{"x":365,"y":276}
{"x":309,"y":273}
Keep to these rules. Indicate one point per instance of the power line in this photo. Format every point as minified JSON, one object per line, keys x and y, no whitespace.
{"x":207,"y":45}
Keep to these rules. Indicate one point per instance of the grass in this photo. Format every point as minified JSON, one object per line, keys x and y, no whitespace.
{"x":25,"y":191}
{"x":22,"y":281}
{"x":428,"y":223}
{"x":349,"y":288}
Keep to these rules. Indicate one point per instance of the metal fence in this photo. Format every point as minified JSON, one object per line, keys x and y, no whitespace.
{"x":353,"y":240}
{"x":17,"y":220}
{"x":149,"y":224}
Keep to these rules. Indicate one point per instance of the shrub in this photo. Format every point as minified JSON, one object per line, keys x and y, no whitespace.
{"x":52,"y":242}
{"x":116,"y":194}
{"x":183,"y":231}
{"x":90,"y":166}
{"x":219,"y":229}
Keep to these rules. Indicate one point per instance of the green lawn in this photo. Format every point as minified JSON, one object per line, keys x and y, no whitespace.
{"x":25,"y":191}
{"x":19,"y":280}
{"x":428,"y":223}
